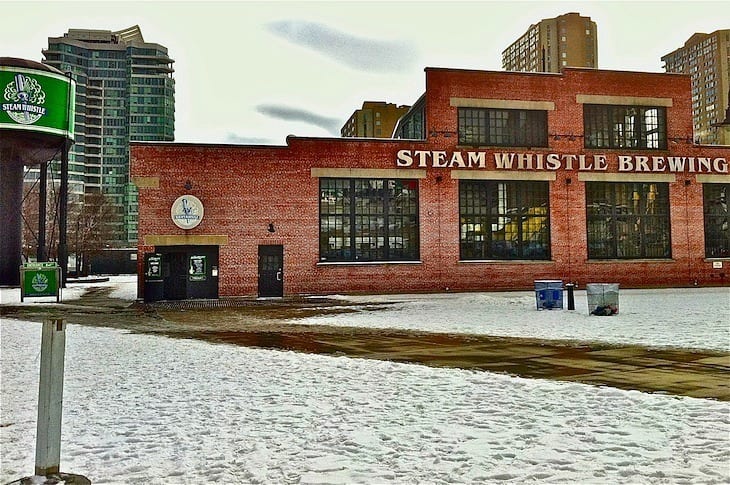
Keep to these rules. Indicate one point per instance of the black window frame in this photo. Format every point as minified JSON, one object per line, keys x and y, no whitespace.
{"x":624,"y":126}
{"x":504,"y":220}
{"x":368,"y":220}
{"x":716,"y":219}
{"x":502,"y":127}
{"x":628,"y":220}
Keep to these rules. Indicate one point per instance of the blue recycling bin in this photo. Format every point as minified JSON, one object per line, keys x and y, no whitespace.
{"x":549,"y":294}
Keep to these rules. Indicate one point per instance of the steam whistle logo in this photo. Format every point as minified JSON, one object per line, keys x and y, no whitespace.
{"x":25,"y":97}
{"x":187,"y":211}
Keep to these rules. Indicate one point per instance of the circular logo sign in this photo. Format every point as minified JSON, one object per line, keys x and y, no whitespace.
{"x":39,"y":282}
{"x":187,"y":211}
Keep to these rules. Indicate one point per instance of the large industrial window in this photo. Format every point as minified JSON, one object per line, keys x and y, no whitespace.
{"x":717,"y":220}
{"x":368,"y":220}
{"x":627,"y":220}
{"x":504,"y":220}
{"x":502,"y":127}
{"x":608,"y":126}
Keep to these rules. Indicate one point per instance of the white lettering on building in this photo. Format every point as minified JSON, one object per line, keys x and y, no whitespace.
{"x":558,"y":161}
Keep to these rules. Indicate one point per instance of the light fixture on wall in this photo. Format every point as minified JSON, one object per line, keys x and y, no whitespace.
{"x":188,"y":185}
{"x":271,"y":227}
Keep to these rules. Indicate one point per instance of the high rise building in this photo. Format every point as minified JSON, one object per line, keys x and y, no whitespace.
{"x":706,"y":58}
{"x":552,"y":44}
{"x":124,"y":92}
{"x":376,"y":119}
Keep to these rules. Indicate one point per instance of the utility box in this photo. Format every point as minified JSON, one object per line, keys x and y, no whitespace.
{"x":602,"y":298}
{"x":549,"y":294}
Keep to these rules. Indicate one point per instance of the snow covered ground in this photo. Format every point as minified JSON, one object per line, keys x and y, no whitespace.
{"x":148,"y":409}
{"x":682,"y":317}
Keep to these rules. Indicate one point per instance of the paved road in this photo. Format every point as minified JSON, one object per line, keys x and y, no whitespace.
{"x":704,"y":374}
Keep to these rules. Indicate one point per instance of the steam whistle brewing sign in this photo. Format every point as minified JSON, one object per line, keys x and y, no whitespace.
{"x":187,"y":211}
{"x":560,"y":161}
{"x":39,"y":101}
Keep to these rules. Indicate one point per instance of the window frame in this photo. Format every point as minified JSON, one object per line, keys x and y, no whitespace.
{"x":716,"y":219}
{"x":628,"y":220}
{"x":490,"y":210}
{"x":502,"y":127}
{"x":608,"y":126}
{"x":374,"y":220}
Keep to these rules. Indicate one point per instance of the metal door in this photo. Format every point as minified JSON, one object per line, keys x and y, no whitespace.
{"x":271,"y":271}
{"x":174,"y":271}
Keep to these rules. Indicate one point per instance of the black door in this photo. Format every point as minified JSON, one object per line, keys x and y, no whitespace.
{"x":189,"y":272}
{"x":174,"y":266}
{"x":271,"y":271}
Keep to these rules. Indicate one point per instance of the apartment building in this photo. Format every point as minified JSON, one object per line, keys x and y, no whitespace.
{"x":125,"y":92}
{"x":376,"y":119}
{"x":706,"y":58}
{"x":550,"y":45}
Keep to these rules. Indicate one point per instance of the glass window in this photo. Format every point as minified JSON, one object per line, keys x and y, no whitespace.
{"x":502,"y":127}
{"x":412,"y":125}
{"x":640,"y":127}
{"x":504,"y":220}
{"x":717,"y":220}
{"x":368,"y":220}
{"x":627,"y":220}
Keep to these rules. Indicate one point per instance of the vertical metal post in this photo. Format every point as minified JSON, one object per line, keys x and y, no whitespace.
{"x":50,"y":398}
{"x":63,"y":215}
{"x":41,"y":252}
{"x":571,"y":297}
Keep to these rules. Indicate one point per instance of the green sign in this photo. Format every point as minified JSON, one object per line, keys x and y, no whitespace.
{"x":197,"y":268}
{"x":34,"y":100}
{"x":40,"y":279}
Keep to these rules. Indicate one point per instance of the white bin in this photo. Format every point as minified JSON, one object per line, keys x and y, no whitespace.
{"x":602,"y":298}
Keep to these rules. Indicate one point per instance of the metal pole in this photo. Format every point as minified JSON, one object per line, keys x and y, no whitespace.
{"x":50,"y":398}
{"x":63,"y":215}
{"x":41,"y":252}
{"x":571,"y":298}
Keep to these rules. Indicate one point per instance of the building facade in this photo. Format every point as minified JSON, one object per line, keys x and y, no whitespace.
{"x":125,"y":92}
{"x":376,"y":119}
{"x":550,"y":45}
{"x":706,"y":58}
{"x":586,"y":176}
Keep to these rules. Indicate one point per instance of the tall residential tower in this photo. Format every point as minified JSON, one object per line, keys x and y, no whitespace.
{"x":706,"y":58}
{"x":125,"y":92}
{"x":552,"y":44}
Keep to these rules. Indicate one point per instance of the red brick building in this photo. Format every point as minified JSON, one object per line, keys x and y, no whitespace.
{"x":497,"y":179}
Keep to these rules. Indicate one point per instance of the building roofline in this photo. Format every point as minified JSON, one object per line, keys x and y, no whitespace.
{"x":197,"y":144}
{"x":563,"y":73}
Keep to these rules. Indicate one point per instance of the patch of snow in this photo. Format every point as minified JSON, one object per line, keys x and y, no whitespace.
{"x":155,"y":410}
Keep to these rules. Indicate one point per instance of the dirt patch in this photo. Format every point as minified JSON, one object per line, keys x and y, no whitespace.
{"x":268,"y":324}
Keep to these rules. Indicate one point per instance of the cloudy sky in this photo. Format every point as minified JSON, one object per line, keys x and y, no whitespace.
{"x":255,"y":72}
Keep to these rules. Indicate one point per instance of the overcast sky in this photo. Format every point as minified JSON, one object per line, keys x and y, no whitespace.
{"x":255,"y":72}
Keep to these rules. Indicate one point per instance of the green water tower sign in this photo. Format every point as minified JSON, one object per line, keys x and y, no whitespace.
{"x":33,"y":100}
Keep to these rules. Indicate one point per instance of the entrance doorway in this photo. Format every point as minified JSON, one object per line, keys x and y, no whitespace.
{"x":189,"y":272}
{"x":271,"y":271}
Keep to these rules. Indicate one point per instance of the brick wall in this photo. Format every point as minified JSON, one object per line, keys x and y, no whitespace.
{"x":244,"y":188}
